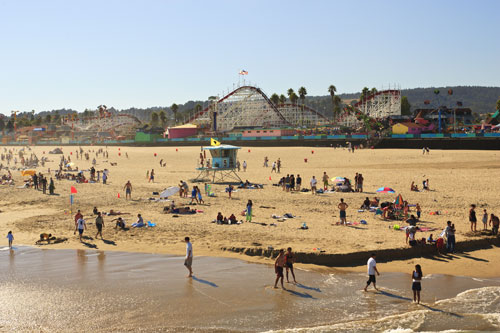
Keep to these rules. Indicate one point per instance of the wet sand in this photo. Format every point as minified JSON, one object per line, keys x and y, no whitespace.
{"x":87,"y":290}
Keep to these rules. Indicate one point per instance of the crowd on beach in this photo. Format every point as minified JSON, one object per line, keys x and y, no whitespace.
{"x":387,"y":210}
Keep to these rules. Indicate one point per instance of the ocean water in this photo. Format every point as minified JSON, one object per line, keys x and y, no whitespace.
{"x":86,"y":290}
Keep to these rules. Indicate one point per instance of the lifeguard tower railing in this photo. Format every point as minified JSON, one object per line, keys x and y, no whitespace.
{"x":222,"y":165}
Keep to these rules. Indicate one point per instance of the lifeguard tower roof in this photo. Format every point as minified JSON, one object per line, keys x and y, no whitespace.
{"x":221,"y":147}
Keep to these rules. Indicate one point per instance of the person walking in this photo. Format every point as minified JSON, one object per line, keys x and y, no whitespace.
{"x":188,"y":262}
{"x":278,"y":268}
{"x":51,"y":186}
{"x":273,"y":167}
{"x":485,"y":220}
{"x":298,"y":183}
{"x":416,"y":286}
{"x":10,"y":237}
{"x":80,"y":226}
{"x":152,"y":176}
{"x":372,"y":269}
{"x":343,"y":214}
{"x":99,"y":223}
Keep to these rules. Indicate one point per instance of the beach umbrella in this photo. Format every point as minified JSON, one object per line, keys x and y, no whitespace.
{"x":169,"y":192}
{"x":386,"y":190}
{"x":337,"y":179}
{"x":28,"y":172}
{"x":399,"y":200}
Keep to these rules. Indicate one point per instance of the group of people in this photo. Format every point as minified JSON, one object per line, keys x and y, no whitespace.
{"x":290,"y":183}
{"x":494,"y":221}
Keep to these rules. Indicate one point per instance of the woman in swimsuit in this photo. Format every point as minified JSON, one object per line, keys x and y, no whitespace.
{"x":416,"y":285}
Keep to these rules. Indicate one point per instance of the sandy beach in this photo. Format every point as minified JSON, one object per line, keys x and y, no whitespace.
{"x":456,"y":178}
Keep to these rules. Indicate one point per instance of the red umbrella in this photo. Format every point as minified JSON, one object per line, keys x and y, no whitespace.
{"x":386,"y":190}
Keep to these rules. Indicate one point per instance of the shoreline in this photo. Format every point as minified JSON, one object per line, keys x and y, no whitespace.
{"x":481,"y":252}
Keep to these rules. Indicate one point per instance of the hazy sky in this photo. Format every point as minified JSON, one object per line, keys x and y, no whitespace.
{"x":79,"y":54}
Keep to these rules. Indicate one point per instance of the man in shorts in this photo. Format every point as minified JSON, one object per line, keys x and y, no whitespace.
{"x":99,"y":223}
{"x":128,"y":190}
{"x":80,"y":226}
{"x":325,"y":181}
{"x":313,"y":184}
{"x":342,"y":207}
{"x":372,"y":269}
{"x":278,"y":268}
{"x":188,"y":262}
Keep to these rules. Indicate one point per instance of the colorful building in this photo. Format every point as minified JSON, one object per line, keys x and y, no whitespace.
{"x":182,"y":131}
{"x":268,"y":132}
{"x":411,"y":128}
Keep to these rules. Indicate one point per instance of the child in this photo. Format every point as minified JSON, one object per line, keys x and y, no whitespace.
{"x":419,"y":210}
{"x":278,"y":268}
{"x":10,"y":237}
{"x":485,"y":220}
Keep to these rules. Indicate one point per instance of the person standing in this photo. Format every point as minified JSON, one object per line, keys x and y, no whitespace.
{"x":360,"y":183}
{"x":80,"y":226}
{"x":278,"y":165}
{"x":200,"y":198}
{"x":494,"y":222}
{"x":99,"y":223}
{"x":273,"y":167}
{"x":485,"y":220}
{"x":51,"y":186}
{"x":416,"y":286}
{"x":419,"y":210}
{"x":372,"y":269}
{"x":356,"y":182}
{"x":313,"y":184}
{"x":10,"y":237}
{"x":188,"y":262}
{"x":104,"y":177}
{"x":128,"y":190}
{"x":325,"y":181}
{"x":289,"y":261}
{"x":450,"y":237}
{"x":238,"y":165}
{"x":343,"y":215}
{"x":249,"y":211}
{"x":298,"y":183}
{"x":472,"y":218}
{"x":244,"y":166}
{"x":278,"y":268}
{"x":152,"y":176}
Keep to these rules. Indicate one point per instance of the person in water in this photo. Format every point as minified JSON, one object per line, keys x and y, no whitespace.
{"x":416,"y":285}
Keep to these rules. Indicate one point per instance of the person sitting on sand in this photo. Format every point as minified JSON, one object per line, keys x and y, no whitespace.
{"x":220,"y":218}
{"x":374,"y":202}
{"x":366,"y":204}
{"x":139,"y":223}
{"x":494,"y":222}
{"x":120,"y":223}
{"x":45,"y":238}
{"x":412,"y":221}
{"x":431,"y":240}
{"x":413,"y":187}
{"x":232,"y":219}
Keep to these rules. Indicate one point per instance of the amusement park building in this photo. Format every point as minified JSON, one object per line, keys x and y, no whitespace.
{"x":411,"y":128}
{"x":268,"y":132}
{"x":182,"y":131}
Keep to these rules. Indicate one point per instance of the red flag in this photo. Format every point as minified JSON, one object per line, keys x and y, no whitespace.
{"x":73,"y":189}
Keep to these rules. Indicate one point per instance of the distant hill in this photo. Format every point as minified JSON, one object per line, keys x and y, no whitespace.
{"x":479,"y":99}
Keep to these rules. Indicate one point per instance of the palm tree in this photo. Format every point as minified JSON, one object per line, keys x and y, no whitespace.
{"x":374,"y":91}
{"x":154,"y":119}
{"x":282,"y":99}
{"x":332,"y":90}
{"x":293,"y":98}
{"x":302,"y":94}
{"x":163,"y":118}
{"x":290,"y":92}
{"x":364,"y":93}
{"x":336,"y":105}
{"x":275,"y":99}
{"x":174,"y":109}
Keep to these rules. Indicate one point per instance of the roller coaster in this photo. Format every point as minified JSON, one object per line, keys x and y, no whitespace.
{"x":249,"y":106}
{"x":377,"y":106}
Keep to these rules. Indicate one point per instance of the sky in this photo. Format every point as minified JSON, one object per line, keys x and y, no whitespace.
{"x":142,"y":53}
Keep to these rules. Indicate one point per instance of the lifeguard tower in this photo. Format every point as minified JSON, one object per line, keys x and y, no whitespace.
{"x":222,"y":165}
